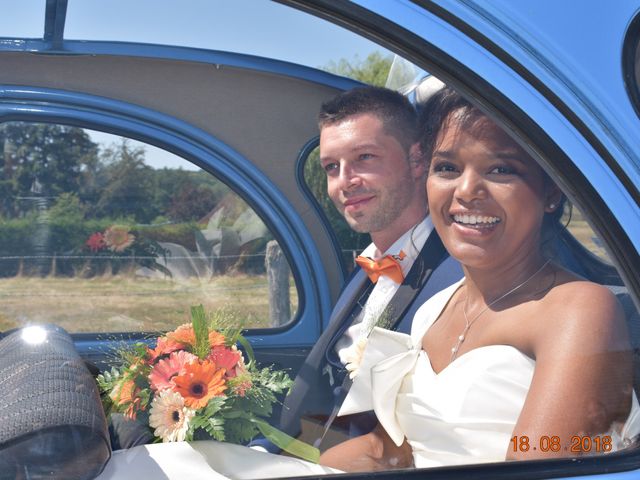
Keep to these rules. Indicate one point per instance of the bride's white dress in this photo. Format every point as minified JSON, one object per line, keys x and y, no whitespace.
{"x":464,"y":414}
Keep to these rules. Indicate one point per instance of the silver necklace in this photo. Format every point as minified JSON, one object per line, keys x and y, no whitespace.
{"x":463,"y":335}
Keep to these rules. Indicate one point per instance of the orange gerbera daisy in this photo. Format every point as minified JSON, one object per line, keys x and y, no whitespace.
{"x":185,"y":335}
{"x":215,"y":339}
{"x":126,"y":393}
{"x":199,"y":383}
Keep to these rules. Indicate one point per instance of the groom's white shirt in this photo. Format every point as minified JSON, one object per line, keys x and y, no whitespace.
{"x":411,"y":242}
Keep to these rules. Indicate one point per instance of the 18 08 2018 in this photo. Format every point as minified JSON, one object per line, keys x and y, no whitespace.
{"x":553,"y":443}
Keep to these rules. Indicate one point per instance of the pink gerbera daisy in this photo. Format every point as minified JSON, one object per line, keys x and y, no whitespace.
{"x":95,"y":242}
{"x":225,"y":357}
{"x":163,"y":372}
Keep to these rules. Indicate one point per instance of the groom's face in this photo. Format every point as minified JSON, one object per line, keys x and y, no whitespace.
{"x":370,"y":177}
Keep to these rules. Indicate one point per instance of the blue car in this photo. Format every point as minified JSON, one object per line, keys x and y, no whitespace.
{"x":149,"y":166}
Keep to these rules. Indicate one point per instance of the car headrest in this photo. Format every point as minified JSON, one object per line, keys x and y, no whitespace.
{"x":53,"y":424}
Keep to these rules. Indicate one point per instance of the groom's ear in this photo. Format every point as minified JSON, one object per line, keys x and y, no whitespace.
{"x":417,"y":161}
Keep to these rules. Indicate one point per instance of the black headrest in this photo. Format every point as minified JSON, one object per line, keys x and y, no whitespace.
{"x":52,"y":424}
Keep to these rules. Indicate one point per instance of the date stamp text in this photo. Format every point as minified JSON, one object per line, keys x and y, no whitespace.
{"x":553,"y":443}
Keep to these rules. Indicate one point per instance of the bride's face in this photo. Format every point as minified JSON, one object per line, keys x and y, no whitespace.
{"x":487,"y":197}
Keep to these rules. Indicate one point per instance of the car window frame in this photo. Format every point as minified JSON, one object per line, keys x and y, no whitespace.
{"x":200,"y":148}
{"x":631,"y":62}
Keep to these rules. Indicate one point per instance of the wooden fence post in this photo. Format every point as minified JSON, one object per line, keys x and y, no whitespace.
{"x":278,"y":284}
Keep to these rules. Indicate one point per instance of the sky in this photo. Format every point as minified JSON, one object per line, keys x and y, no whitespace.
{"x":257,"y":27}
{"x":260,"y":27}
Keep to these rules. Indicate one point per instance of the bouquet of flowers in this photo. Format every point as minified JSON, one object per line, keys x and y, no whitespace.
{"x":196,"y":384}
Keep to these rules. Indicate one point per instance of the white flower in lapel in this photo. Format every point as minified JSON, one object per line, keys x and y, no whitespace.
{"x":354,"y":357}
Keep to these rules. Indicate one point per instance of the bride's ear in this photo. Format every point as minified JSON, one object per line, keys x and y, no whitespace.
{"x":553,"y":197}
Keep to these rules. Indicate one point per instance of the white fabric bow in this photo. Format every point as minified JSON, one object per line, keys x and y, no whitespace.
{"x":387,"y":359}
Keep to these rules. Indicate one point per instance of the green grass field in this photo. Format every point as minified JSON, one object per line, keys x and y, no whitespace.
{"x":120,"y":303}
{"x":581,"y":230}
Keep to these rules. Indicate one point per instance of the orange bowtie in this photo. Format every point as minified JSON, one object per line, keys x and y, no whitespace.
{"x":387,"y":266}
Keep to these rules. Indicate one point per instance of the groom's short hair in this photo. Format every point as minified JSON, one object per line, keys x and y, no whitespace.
{"x":396,"y":112}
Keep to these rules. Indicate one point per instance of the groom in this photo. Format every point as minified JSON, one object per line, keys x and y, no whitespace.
{"x":376,"y":179}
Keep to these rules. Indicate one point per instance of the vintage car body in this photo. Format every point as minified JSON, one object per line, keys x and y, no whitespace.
{"x":561,"y":76}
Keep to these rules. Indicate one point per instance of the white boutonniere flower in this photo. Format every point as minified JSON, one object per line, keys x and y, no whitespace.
{"x":354,"y":357}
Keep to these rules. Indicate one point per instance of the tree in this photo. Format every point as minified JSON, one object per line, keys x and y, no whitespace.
{"x":373,"y":70}
{"x":191,"y":202}
{"x":42,"y":160}
{"x":127,"y":184}
{"x":68,"y":207}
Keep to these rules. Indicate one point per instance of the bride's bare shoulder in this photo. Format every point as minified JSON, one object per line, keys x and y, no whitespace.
{"x":572,"y":293}
{"x":582,"y":313}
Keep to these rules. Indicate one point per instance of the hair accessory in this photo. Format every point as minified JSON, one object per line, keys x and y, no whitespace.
{"x":462,"y":336}
{"x":552,"y":205}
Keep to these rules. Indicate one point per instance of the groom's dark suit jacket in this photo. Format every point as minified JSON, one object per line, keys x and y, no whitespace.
{"x":312,"y":394}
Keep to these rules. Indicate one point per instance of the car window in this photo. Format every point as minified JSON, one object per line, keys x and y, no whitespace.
{"x":100,"y":233}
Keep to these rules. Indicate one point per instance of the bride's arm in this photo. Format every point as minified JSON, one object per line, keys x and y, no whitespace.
{"x":370,"y":452}
{"x":583,"y":376}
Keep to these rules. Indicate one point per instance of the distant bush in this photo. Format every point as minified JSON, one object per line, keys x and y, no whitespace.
{"x":180,"y":233}
{"x":28,"y":245}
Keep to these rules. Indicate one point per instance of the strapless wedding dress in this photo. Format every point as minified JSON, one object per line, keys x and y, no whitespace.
{"x":464,"y":414}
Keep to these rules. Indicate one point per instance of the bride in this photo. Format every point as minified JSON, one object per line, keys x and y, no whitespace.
{"x":519,"y":360}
